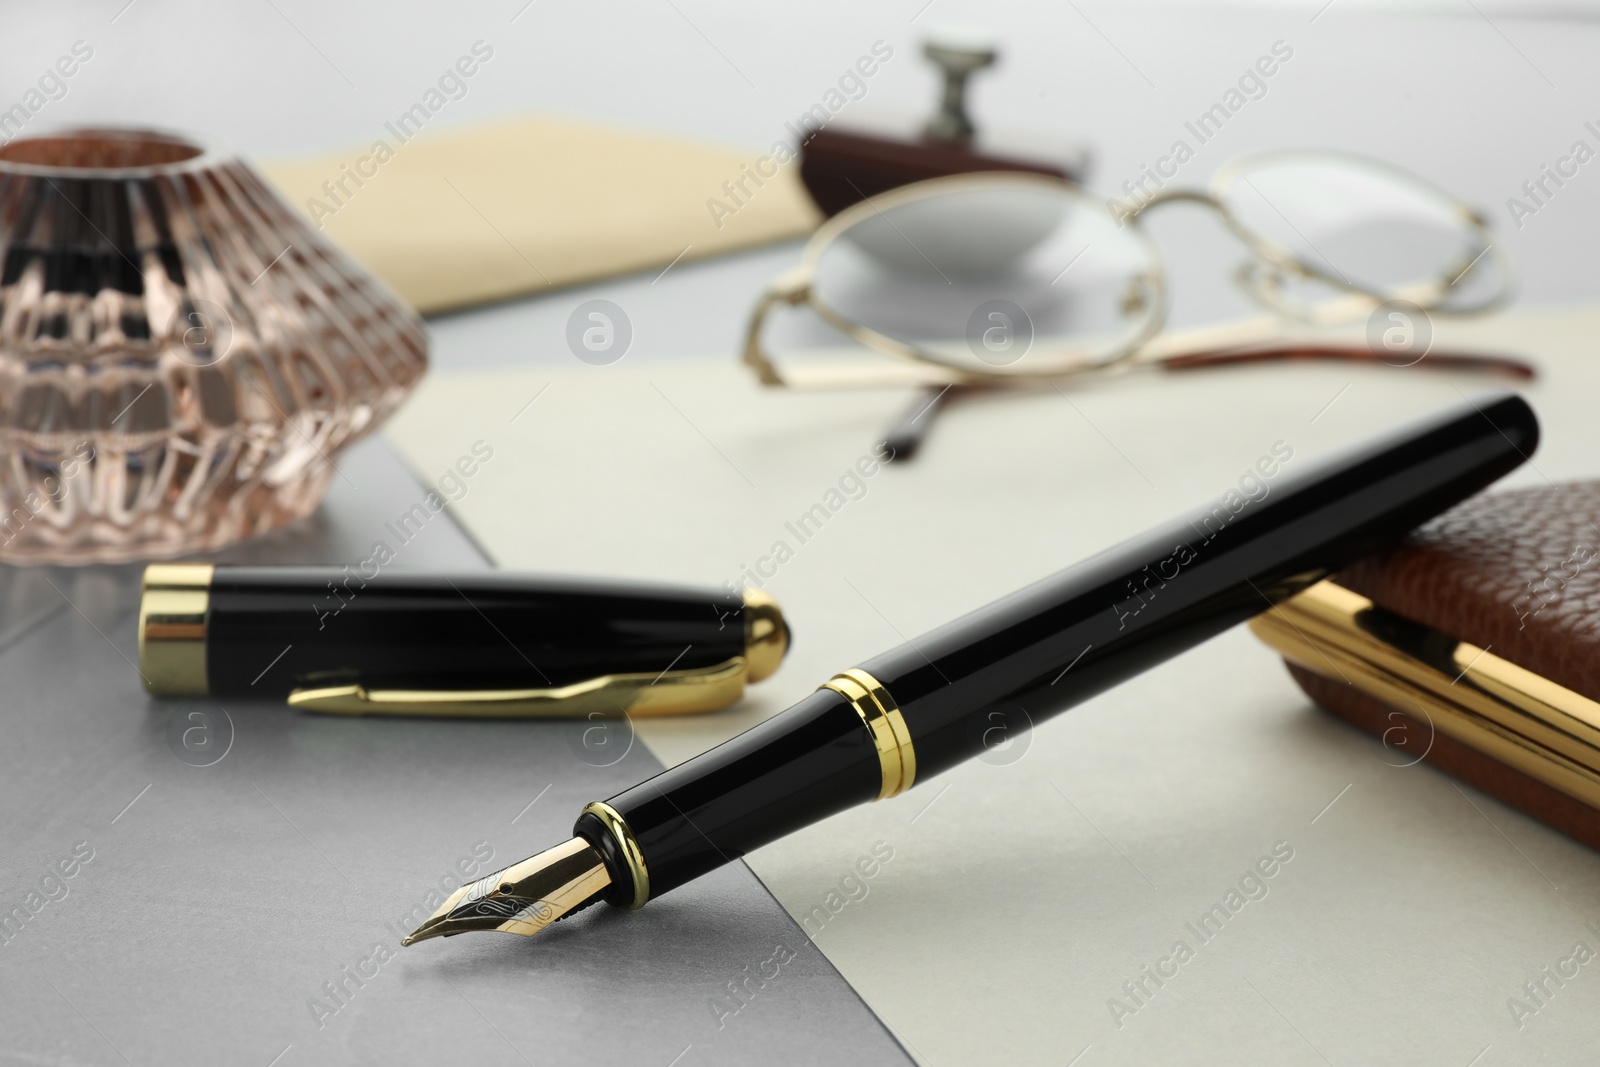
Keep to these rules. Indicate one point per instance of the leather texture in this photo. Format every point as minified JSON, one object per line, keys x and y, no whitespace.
{"x":1516,"y":572}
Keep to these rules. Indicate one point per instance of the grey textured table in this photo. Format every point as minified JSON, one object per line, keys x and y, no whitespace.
{"x":249,"y":911}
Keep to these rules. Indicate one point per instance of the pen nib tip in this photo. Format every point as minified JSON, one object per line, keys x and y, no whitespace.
{"x":525,"y":897}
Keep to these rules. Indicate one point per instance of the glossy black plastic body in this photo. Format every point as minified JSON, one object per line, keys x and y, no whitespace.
{"x":273,"y":629}
{"x":1078,"y":632}
{"x":1083,"y":630}
{"x":811,"y":761}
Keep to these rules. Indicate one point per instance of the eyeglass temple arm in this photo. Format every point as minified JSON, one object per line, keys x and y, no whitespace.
{"x":791,"y":288}
{"x":907,"y":433}
{"x":1469,"y":361}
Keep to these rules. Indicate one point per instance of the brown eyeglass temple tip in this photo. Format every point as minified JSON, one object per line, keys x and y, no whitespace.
{"x":1513,"y":368}
{"x":905,"y":435}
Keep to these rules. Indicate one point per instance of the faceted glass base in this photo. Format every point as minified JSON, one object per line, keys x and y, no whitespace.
{"x":182,"y":357}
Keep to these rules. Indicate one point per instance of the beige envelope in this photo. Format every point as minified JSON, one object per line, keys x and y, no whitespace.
{"x":471,"y":216}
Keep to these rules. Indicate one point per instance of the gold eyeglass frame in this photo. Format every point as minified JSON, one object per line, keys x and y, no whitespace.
{"x":1261,"y":277}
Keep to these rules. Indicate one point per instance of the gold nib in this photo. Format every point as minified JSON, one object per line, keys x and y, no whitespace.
{"x":525,"y":897}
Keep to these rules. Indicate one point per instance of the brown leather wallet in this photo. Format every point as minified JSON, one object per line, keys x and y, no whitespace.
{"x":1474,"y":645}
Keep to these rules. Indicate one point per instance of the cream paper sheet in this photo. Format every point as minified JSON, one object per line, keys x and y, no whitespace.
{"x":519,"y":206}
{"x":1028,"y":894}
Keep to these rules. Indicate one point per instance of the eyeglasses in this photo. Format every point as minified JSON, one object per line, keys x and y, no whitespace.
{"x":979,"y":280}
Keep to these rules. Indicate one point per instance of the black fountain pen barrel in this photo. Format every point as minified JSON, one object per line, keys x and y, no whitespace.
{"x":874,"y":731}
{"x":1083,"y":630}
{"x":270,"y":630}
{"x":796,"y":768}
{"x":1057,"y":643}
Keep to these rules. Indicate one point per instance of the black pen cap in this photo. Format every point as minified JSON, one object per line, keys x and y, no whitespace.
{"x":434,"y":644}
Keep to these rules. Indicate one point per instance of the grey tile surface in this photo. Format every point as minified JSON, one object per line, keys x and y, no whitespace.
{"x":223,"y":902}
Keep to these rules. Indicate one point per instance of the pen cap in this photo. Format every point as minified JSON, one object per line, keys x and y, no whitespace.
{"x":469,"y":644}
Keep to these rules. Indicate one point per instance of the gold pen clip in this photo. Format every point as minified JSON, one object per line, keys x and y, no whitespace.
{"x":682,"y":692}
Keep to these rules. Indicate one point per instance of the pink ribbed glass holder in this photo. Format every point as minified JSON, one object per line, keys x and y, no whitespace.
{"x":182,"y":357}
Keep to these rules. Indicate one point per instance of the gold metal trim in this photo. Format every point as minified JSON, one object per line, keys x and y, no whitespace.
{"x":173,"y":602}
{"x":628,"y":845}
{"x":881,"y":716}
{"x":695,"y":689}
{"x":766,"y":634}
{"x":1507,"y":712}
{"x":524,"y":898}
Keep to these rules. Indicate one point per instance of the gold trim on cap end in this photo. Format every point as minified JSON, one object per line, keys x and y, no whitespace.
{"x":172,"y":628}
{"x":628,"y":845}
{"x":884,"y":722}
{"x":766,"y":634}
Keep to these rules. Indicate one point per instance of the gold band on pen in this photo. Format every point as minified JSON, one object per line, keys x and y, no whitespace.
{"x":172,"y":628}
{"x":627,"y":847}
{"x":887,"y":727}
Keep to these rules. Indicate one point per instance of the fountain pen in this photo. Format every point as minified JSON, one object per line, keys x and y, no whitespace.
{"x":873,"y":731}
